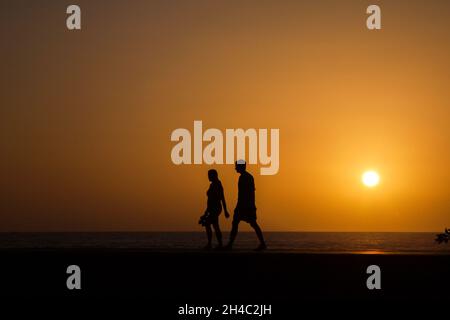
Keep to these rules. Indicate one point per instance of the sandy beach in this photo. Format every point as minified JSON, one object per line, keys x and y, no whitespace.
{"x":217,"y":277}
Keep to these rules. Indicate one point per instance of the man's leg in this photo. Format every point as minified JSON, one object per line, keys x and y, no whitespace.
{"x":233,"y":232}
{"x":259,"y":234}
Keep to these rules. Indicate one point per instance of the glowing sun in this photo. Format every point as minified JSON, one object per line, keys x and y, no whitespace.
{"x":370,"y":178}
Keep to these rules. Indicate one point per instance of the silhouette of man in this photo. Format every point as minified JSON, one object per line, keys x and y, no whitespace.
{"x":245,"y":209}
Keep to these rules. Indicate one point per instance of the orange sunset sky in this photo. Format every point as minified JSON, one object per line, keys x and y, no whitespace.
{"x":86,"y":116}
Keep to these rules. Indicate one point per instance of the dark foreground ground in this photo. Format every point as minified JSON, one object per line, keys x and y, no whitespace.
{"x":173,"y":279}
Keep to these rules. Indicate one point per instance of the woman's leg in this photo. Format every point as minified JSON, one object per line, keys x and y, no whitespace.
{"x":218,"y":233}
{"x":208,"y":234}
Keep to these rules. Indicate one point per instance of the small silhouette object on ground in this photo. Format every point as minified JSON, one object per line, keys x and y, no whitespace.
{"x":245,"y":209}
{"x":215,"y":201}
{"x":443,"y":237}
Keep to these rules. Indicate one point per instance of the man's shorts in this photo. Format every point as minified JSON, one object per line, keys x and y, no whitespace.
{"x":247,"y":215}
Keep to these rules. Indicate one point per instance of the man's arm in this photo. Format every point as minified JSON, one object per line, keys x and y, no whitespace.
{"x":227,"y":215}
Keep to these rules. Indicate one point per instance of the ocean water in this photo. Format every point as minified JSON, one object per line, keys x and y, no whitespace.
{"x":302,"y":242}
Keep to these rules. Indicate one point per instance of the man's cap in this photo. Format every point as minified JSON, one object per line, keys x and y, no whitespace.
{"x":240,"y":161}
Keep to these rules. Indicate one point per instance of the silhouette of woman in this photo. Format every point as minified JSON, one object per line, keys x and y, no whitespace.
{"x":216,"y":199}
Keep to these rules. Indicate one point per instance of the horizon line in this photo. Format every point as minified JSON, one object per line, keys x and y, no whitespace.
{"x":199,"y":231}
